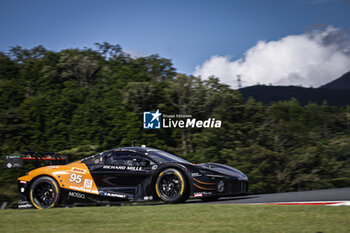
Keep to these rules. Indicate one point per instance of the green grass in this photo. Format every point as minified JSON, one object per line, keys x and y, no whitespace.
{"x":179,"y":218}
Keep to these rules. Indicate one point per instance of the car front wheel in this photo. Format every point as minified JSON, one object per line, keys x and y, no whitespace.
{"x":171,"y":186}
{"x":44,"y":192}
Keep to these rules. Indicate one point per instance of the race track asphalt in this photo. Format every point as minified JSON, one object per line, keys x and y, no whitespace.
{"x":341,"y":194}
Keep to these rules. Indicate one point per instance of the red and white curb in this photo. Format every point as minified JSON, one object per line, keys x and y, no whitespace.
{"x":343,"y":203}
{"x":326,"y":203}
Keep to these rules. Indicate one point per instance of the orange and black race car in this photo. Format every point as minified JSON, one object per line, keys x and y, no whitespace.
{"x":128,"y":174}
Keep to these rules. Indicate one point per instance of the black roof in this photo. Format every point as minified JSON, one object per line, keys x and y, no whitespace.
{"x":135,"y":148}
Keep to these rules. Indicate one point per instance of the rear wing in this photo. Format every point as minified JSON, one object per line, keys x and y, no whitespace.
{"x":46,"y":158}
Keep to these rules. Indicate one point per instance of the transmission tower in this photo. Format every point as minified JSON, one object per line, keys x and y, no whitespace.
{"x":239,"y":81}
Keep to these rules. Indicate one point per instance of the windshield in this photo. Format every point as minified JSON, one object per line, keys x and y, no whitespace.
{"x":162,"y":157}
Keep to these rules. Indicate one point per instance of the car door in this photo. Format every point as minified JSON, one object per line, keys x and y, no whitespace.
{"x":121,"y":172}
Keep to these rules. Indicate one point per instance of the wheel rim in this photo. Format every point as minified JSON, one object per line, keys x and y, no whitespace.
{"x":44,"y":194}
{"x":170,"y":186}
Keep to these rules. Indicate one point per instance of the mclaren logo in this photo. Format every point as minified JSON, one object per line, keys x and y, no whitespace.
{"x":221,"y":186}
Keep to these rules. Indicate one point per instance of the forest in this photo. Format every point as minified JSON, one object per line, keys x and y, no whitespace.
{"x":79,"y":102}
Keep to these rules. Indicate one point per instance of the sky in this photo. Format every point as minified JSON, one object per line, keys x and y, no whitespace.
{"x":280,"y":42}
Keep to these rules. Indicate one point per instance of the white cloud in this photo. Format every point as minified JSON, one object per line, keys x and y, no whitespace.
{"x":310,"y":59}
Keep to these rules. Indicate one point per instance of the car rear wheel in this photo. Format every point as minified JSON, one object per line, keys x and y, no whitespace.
{"x":44,"y":192}
{"x":171,"y":186}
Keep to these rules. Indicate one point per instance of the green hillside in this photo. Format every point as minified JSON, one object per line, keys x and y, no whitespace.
{"x":340,"y":83}
{"x":269,"y":94}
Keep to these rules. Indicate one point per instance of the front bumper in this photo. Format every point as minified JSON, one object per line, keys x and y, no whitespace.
{"x":23,"y":189}
{"x":219,"y":187}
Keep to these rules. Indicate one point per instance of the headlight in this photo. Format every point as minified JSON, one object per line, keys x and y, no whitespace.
{"x":206,"y":172}
{"x":210,"y":173}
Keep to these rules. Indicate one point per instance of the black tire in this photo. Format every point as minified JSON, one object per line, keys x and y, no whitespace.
{"x":209,"y":198}
{"x":171,"y":186}
{"x":44,"y":193}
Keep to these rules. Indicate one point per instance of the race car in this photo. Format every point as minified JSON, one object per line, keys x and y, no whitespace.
{"x":128,"y":174}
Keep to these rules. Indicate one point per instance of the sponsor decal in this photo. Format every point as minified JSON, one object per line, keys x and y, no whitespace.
{"x":114,"y":195}
{"x":79,"y":170}
{"x":114,"y":167}
{"x":98,"y":160}
{"x":87,"y":183}
{"x":196,"y":174}
{"x":82,"y":189}
{"x":151,"y":120}
{"x":132,"y":168}
{"x":22,"y":190}
{"x":13,"y":156}
{"x":21,"y":202}
{"x":201,"y":194}
{"x":198,"y":194}
{"x":25,"y":206}
{"x":13,"y":161}
{"x":76,"y":195}
{"x":22,"y":181}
